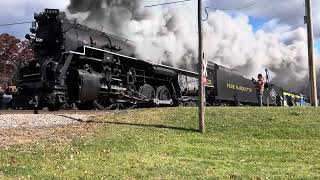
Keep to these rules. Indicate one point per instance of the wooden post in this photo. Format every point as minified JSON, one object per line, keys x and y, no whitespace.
{"x":312,"y":68}
{"x":202,"y":74}
{"x":267,"y":81}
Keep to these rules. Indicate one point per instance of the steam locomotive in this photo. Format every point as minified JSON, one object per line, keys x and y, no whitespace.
{"x":77,"y":65}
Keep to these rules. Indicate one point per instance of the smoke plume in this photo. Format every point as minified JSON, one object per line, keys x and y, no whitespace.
{"x":168,"y":35}
{"x":110,"y":15}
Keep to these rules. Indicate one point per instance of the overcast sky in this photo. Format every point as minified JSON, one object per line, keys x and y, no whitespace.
{"x":286,"y":12}
{"x":23,"y":10}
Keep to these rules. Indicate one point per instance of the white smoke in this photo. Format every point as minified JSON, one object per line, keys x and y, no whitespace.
{"x":231,"y":41}
{"x":169,"y":35}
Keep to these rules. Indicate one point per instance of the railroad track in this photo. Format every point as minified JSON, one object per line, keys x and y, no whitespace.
{"x":67,"y":111}
{"x":27,"y":119}
{"x":54,"y":112}
{"x":15,"y":119}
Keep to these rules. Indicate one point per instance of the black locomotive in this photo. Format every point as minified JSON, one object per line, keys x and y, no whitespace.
{"x":77,"y":65}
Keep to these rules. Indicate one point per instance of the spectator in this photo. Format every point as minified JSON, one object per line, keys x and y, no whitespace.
{"x":259,"y":84}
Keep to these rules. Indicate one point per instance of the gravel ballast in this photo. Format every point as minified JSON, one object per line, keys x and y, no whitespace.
{"x":40,"y":120}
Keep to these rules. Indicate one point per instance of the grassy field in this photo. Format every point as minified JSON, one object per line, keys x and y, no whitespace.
{"x":240,"y":143}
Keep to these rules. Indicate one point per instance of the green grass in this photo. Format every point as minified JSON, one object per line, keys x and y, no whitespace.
{"x":239,"y":143}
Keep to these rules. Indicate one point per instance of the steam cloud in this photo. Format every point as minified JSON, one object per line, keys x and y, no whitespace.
{"x":169,"y":36}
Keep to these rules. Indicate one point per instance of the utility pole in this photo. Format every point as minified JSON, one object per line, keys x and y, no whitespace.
{"x":202,"y":72}
{"x":312,"y":68}
{"x":267,"y":81}
{"x":202,"y":64}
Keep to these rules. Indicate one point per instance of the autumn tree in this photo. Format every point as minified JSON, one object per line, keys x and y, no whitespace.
{"x":13,"y":51}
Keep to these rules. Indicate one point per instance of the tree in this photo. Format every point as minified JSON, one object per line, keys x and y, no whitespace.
{"x":13,"y":51}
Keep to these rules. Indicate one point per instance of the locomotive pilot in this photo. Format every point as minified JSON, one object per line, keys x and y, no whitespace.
{"x":259,"y":84}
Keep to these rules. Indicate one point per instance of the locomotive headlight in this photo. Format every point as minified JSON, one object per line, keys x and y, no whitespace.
{"x":34,"y":27}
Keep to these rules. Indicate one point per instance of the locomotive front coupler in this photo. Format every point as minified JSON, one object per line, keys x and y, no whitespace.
{"x":55,"y":100}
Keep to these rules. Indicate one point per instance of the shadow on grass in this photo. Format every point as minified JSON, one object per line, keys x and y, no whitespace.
{"x":160,"y":126}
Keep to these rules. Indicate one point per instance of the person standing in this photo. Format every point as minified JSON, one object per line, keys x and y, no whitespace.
{"x":259,"y":85}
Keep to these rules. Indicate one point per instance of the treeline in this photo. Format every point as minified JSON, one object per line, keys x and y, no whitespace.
{"x":13,"y":51}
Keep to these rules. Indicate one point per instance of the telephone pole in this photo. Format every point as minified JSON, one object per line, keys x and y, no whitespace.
{"x":202,"y":64}
{"x":202,"y":72}
{"x":312,"y":68}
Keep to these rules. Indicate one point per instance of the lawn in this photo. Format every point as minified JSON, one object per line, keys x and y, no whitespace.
{"x":239,"y":143}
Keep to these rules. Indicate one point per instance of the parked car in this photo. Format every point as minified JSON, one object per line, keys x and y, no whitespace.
{"x":5,"y":99}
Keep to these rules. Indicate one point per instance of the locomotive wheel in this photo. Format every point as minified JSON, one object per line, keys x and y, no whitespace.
{"x":85,"y":105}
{"x":147,"y":91}
{"x":104,"y":103}
{"x":163,"y":93}
{"x":53,"y":107}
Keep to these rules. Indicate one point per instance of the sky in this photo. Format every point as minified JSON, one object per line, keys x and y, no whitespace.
{"x":22,"y":11}
{"x":289,"y":12}
{"x":286,"y":12}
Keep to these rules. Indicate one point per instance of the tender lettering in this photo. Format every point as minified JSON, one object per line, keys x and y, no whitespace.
{"x":239,"y":88}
